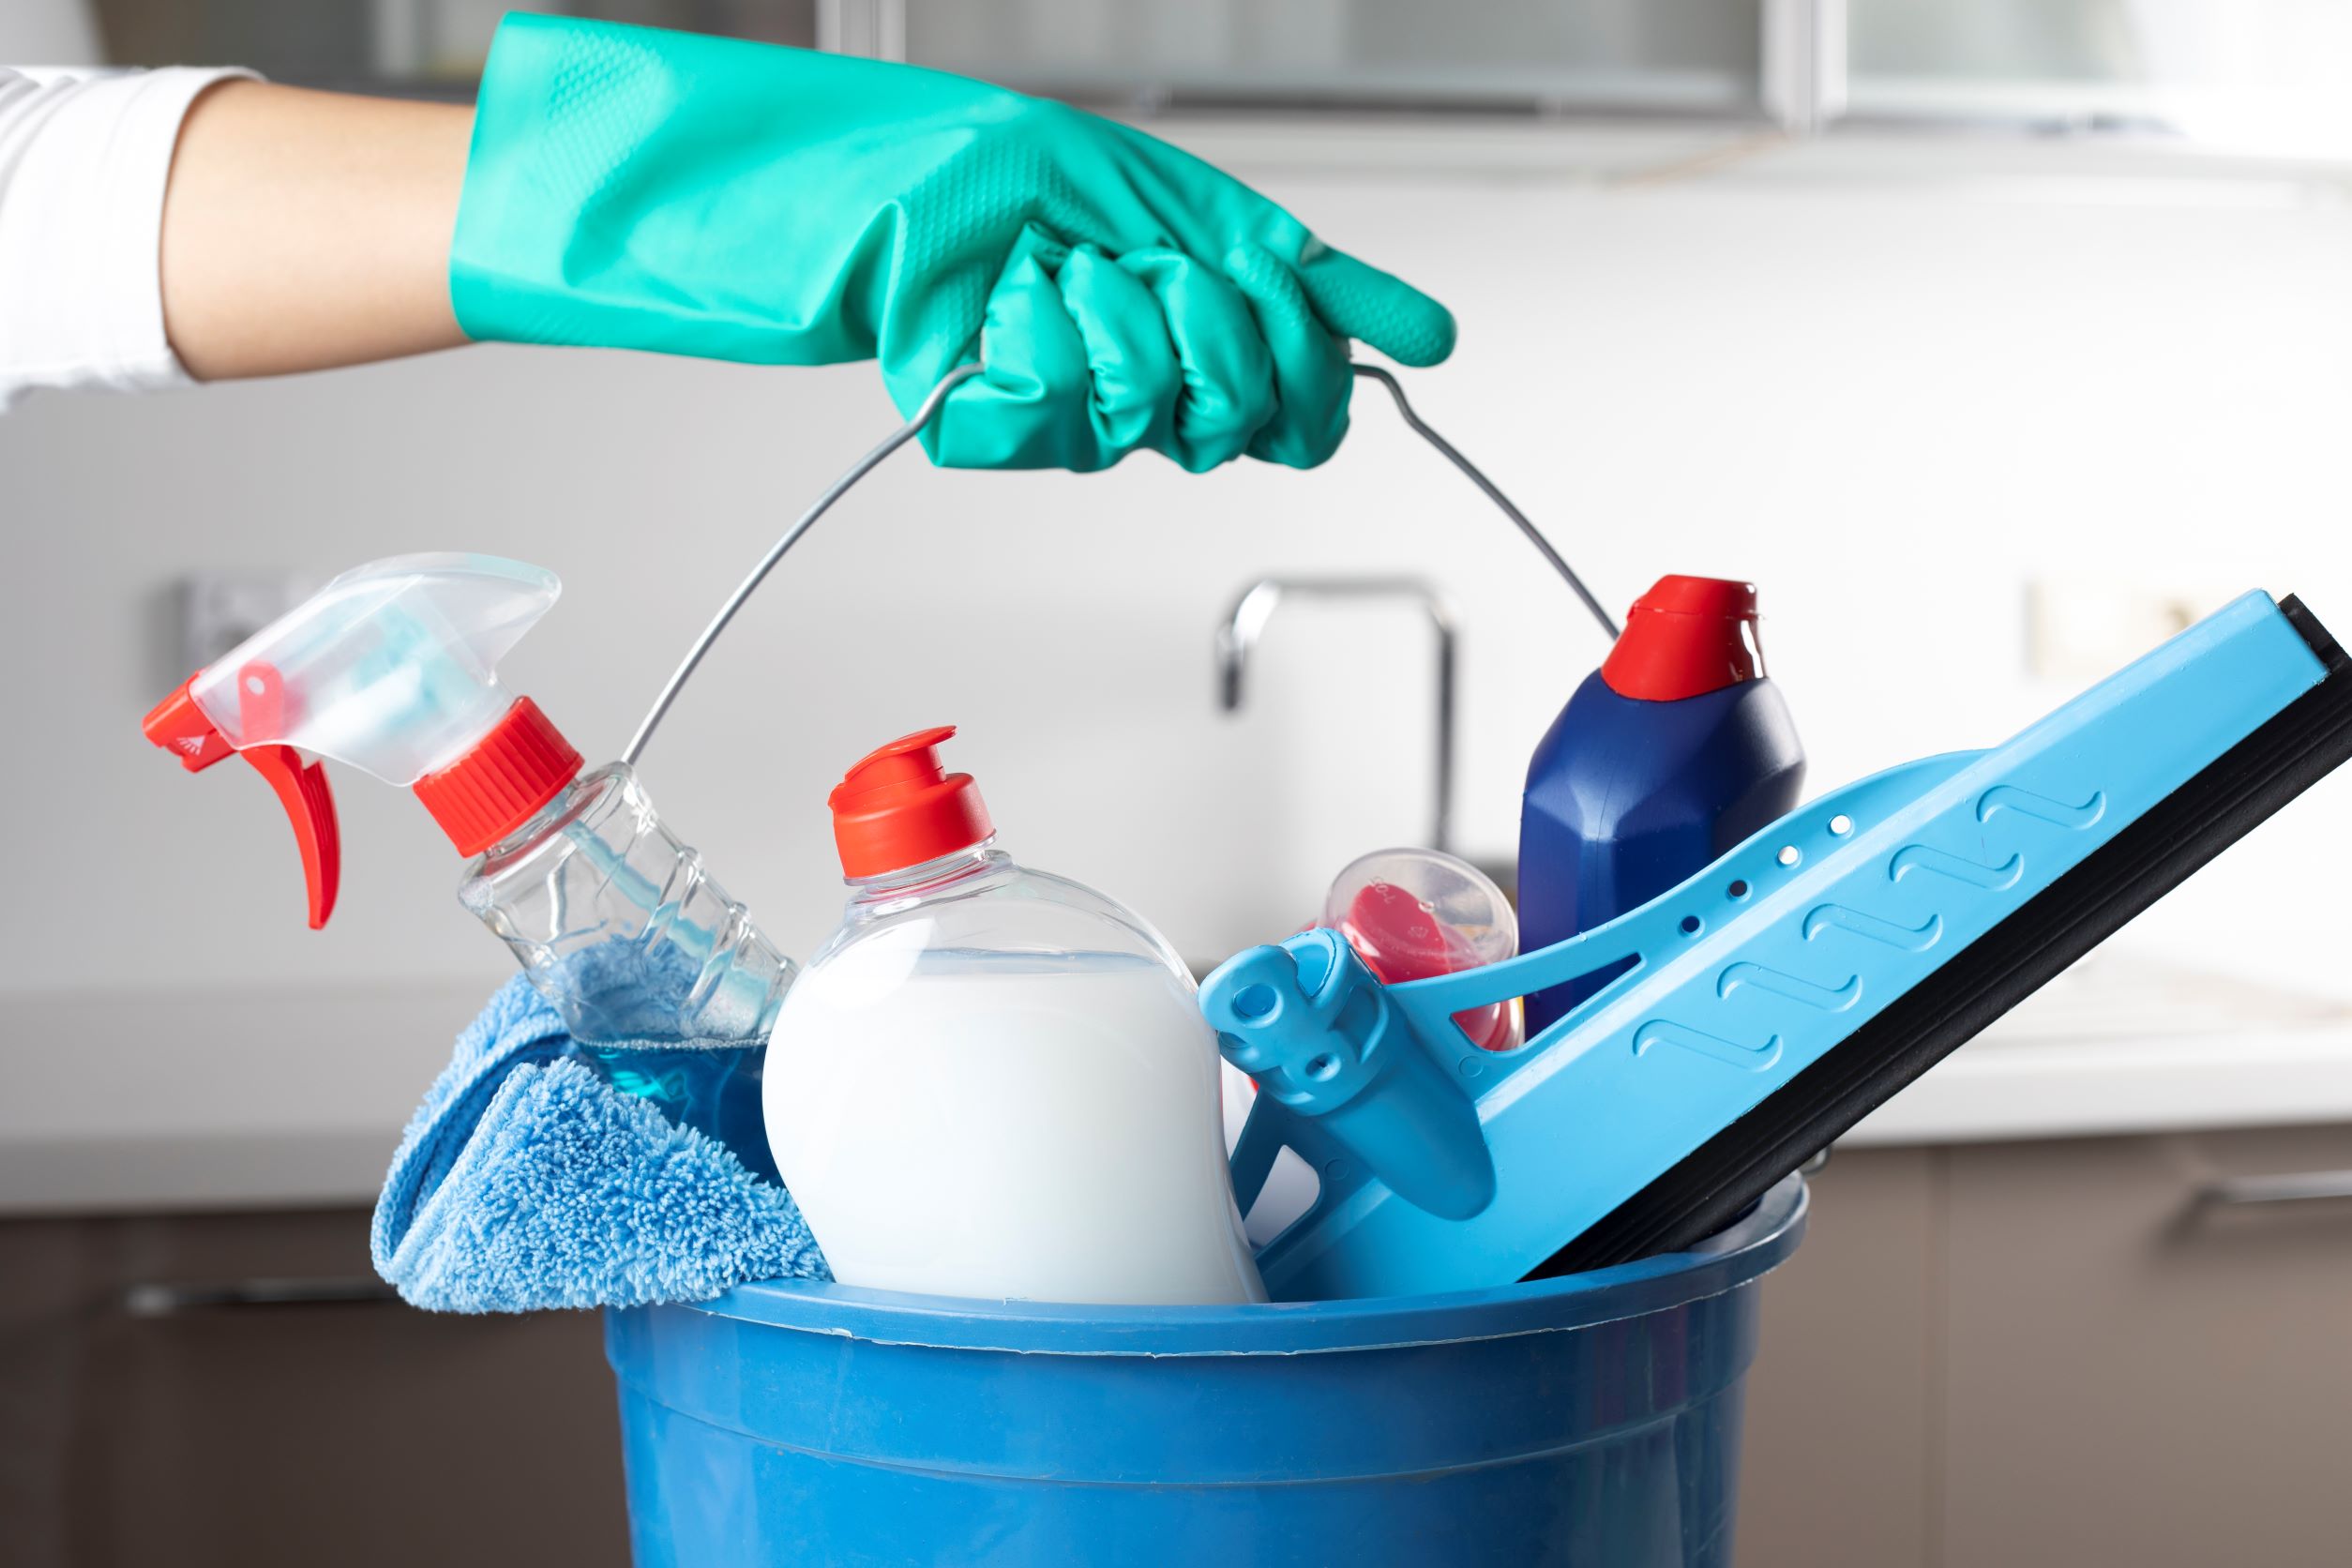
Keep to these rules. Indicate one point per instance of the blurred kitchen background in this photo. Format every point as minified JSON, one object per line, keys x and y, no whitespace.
{"x":1995,"y":340}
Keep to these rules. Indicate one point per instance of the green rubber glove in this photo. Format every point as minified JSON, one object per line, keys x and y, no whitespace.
{"x":635,"y":189}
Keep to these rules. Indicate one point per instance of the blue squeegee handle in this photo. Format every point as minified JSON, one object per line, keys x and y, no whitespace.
{"x":2289,"y":752}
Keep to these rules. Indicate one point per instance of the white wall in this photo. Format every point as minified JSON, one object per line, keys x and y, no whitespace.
{"x":1891,"y":402}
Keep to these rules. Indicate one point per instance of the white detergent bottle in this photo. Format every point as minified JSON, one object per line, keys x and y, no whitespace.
{"x":993,"y":1083}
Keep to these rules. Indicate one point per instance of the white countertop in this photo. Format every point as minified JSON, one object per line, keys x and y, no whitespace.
{"x":2120,"y":1044}
{"x":144,"y":1101}
{"x":139,"y":1100}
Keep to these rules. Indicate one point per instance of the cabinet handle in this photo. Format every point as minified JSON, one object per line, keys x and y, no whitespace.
{"x":171,"y":1301}
{"x":2305,"y":1186}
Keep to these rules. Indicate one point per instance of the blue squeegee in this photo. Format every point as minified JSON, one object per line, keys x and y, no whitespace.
{"x":1768,"y":1002}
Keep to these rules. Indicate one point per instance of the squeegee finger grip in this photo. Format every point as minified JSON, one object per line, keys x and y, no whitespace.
{"x":1324,"y":1040}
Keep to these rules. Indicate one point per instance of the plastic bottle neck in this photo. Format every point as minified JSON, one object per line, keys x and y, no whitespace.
{"x":929,"y":876}
{"x":550,"y":818}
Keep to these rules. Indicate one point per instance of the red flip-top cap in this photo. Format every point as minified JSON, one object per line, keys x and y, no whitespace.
{"x":1686,"y":637}
{"x":897,"y":807}
{"x":501,"y":784}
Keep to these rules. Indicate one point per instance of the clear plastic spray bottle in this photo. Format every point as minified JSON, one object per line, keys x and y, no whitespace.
{"x":666,"y":986}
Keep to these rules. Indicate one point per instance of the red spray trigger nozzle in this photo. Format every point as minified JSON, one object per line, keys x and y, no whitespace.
{"x":301,"y":789}
{"x":179,"y":726}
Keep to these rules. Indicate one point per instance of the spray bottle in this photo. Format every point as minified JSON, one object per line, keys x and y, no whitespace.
{"x":391,"y":669}
{"x":1674,"y":750}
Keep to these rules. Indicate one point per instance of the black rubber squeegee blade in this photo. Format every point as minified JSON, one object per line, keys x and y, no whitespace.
{"x":2294,"y":749}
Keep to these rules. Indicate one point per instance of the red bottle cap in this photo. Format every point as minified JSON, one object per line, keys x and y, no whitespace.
{"x":495,"y":788}
{"x":896,"y":807}
{"x":1686,"y":637}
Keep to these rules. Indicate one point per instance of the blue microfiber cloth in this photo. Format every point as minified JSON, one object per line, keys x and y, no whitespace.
{"x":526,"y":1181}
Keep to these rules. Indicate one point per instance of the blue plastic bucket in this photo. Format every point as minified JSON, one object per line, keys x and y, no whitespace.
{"x":1590,"y":1420}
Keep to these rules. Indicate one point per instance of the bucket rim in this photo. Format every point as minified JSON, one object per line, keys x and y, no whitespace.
{"x":1744,"y":1251}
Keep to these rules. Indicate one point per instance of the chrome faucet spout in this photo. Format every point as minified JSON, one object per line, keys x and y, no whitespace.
{"x":1238,"y":633}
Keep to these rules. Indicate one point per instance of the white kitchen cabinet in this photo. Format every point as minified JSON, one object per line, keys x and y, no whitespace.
{"x":2272,"y":73}
{"x":1700,"y":56}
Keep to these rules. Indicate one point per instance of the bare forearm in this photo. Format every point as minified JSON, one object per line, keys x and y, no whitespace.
{"x":305,"y":230}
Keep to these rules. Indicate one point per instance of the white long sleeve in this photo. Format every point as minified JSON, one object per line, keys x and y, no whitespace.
{"x":83,"y":161}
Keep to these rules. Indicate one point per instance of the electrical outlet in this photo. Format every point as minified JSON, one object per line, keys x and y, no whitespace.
{"x":2079,"y":630}
{"x":217,"y":613}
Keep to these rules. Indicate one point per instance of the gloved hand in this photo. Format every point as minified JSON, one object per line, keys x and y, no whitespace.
{"x":635,"y":189}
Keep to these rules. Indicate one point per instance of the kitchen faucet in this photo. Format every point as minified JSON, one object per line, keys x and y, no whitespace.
{"x":1243,"y":626}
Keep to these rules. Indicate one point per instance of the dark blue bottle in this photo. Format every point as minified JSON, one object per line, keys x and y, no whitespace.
{"x":1673,"y":751}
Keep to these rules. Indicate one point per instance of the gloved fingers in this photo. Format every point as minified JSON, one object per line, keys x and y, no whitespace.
{"x":1136,"y":379}
{"x":1311,"y":377}
{"x":1368,"y":304}
{"x":1029,"y":407}
{"x":1228,"y":391}
{"x":1088,"y":359}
